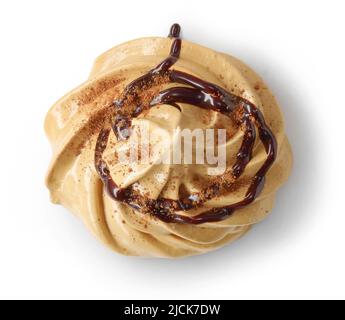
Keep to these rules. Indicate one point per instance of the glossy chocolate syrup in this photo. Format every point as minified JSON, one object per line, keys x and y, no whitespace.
{"x":204,"y":95}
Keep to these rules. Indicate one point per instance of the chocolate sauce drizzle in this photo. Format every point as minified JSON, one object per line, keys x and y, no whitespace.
{"x":204,"y":95}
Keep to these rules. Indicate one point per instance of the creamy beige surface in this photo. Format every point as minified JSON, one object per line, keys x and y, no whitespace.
{"x":74,"y":183}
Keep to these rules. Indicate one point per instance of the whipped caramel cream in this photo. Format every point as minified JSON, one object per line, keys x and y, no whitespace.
{"x":166,"y":210}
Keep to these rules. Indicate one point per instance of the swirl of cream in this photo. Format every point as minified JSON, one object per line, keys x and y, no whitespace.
{"x":73,"y":125}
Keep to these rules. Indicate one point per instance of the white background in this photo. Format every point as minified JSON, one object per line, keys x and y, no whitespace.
{"x":47,"y":48}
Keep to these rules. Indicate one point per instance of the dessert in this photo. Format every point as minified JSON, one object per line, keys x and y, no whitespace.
{"x":156,"y":208}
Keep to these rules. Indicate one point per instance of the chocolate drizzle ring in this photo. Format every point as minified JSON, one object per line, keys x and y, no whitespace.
{"x":204,"y":95}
